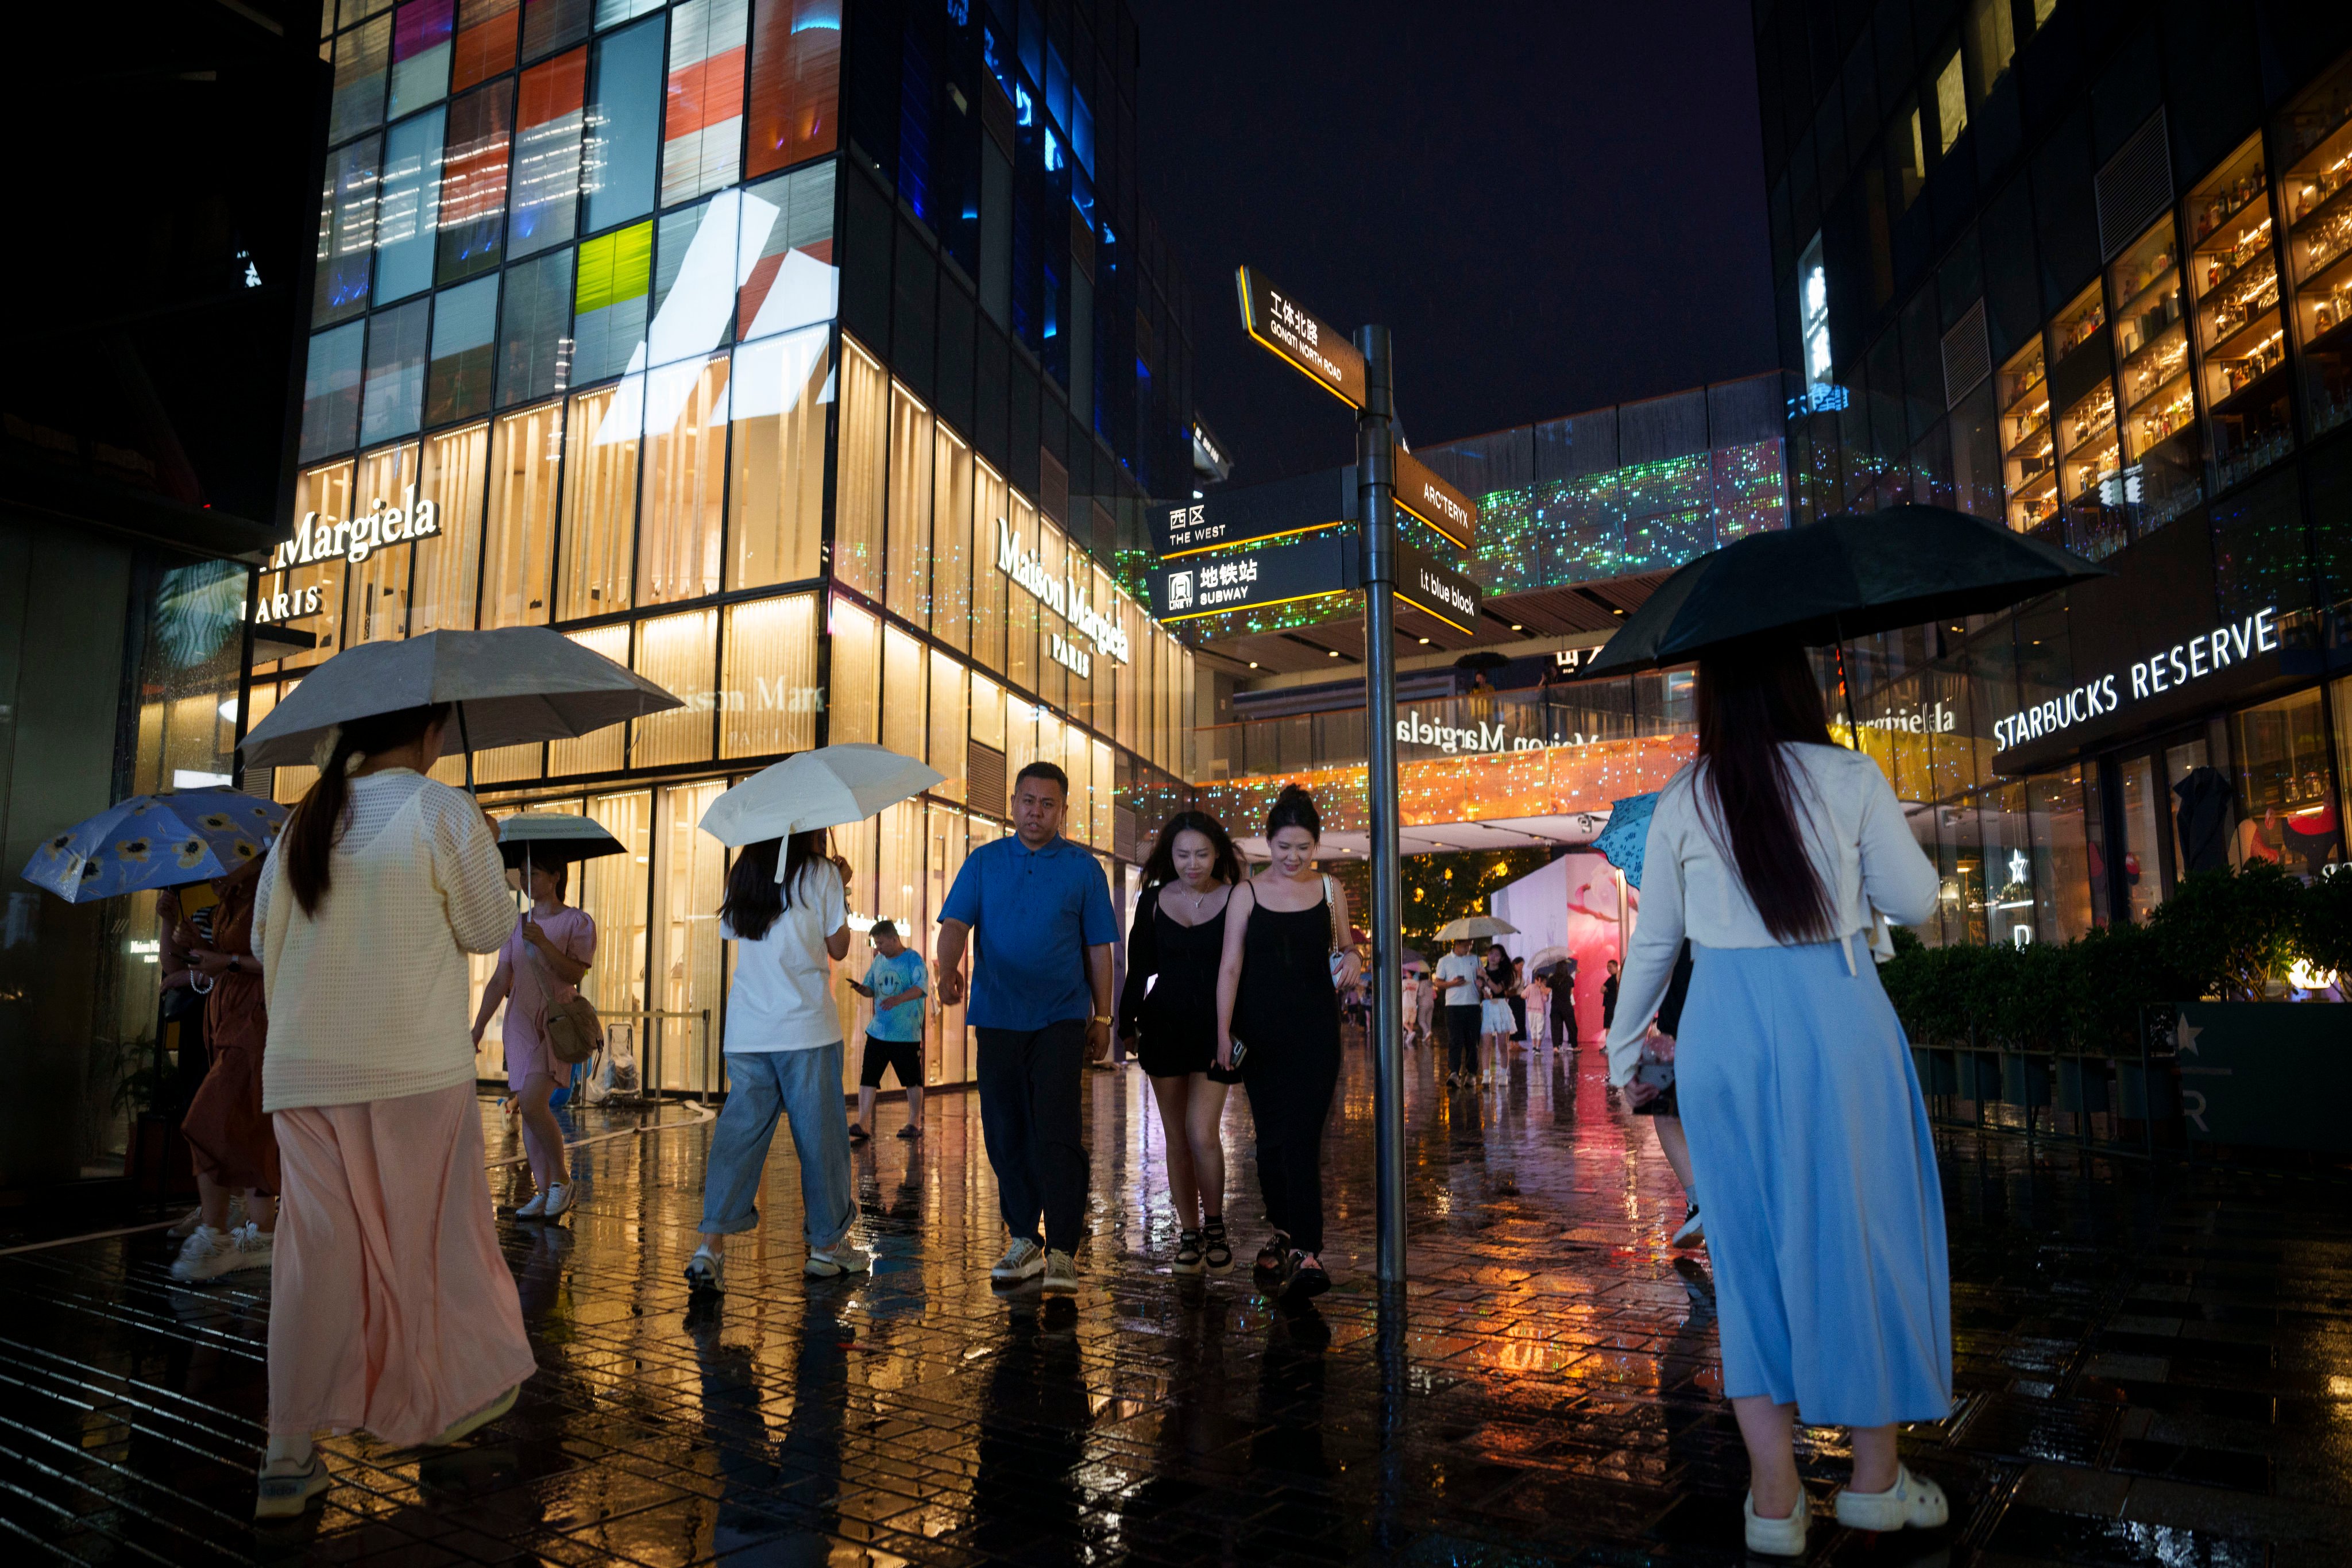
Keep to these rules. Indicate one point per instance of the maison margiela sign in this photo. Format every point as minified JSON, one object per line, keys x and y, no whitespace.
{"x":1064,"y":596}
{"x":316,"y":540}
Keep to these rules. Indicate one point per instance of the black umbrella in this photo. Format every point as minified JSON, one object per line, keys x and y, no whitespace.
{"x":1484,"y":660}
{"x":551,"y":837}
{"x":1841,"y":577}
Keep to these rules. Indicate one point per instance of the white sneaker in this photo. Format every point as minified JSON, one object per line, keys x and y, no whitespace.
{"x":1913,"y":1502}
{"x":257,"y":1248}
{"x":841,"y":1257}
{"x":1061,"y":1274}
{"x":1691,"y":1232}
{"x":705,"y":1271}
{"x":559,"y":1199}
{"x":1775,"y":1537}
{"x":206,"y":1254}
{"x":1024,"y":1260}
{"x":534,"y":1209}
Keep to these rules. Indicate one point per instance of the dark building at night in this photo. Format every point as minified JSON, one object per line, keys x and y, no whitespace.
{"x":2085,"y":267}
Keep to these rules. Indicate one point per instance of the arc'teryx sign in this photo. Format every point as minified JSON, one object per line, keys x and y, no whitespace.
{"x":1420,"y":492}
{"x":1282,"y":325}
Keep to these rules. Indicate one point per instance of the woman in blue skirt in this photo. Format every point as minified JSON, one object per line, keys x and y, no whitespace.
{"x":1776,"y":852}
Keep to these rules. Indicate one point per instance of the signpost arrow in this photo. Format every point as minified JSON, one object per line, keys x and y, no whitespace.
{"x":1253,"y":579}
{"x":1420,"y":492}
{"x":1437,"y":590}
{"x":1261,"y":512}
{"x":1278,"y":321}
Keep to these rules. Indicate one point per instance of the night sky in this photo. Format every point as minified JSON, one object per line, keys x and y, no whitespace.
{"x":1552,"y":206}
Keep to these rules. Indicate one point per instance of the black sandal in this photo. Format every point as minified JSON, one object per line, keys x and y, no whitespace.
{"x":1307,"y":1281}
{"x":857,"y":1133}
{"x":1273,"y":1255}
{"x":1216,"y":1250}
{"x":1188,"y":1252}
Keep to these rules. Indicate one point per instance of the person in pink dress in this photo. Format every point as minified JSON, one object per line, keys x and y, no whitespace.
{"x":541,"y":965}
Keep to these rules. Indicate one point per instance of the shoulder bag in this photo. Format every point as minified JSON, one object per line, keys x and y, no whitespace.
{"x":569,"y":1023}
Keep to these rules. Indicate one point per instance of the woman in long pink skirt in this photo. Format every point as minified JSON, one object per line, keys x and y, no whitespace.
{"x":393,"y":1312}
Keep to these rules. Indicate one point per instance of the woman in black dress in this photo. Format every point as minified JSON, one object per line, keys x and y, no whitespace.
{"x":1170,"y":1002}
{"x":1284,"y":962}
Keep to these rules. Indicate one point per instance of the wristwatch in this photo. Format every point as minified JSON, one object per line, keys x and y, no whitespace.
{"x":1101,"y":1019}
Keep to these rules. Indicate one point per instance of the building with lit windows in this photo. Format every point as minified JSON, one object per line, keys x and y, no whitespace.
{"x":813,"y":358}
{"x":2085,"y":268}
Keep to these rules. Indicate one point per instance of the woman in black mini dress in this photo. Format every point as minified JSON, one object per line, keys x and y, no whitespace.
{"x":1170,"y":1002}
{"x":1278,"y":994}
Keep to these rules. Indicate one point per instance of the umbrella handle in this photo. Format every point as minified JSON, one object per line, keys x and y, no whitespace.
{"x":465,"y":745}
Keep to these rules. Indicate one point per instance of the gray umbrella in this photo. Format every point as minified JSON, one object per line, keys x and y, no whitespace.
{"x":512,"y":685}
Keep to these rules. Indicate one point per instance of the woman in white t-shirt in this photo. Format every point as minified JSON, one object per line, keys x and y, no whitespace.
{"x":783,"y":1055}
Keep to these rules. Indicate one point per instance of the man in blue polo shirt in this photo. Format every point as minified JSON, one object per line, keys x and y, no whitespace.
{"x":1041,"y":1004}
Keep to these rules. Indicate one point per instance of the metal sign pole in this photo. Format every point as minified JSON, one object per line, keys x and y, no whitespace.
{"x":1376,"y":480}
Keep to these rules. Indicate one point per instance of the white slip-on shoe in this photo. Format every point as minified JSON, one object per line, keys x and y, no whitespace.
{"x":257,"y":1248}
{"x":285,"y":1490}
{"x":559,"y":1199}
{"x":467,"y":1425}
{"x":1775,"y":1537}
{"x":705,"y":1271}
{"x":534,"y":1209}
{"x":207,"y":1253}
{"x":1691,"y":1232}
{"x":841,"y":1257}
{"x":1913,"y":1502}
{"x":1024,"y":1260}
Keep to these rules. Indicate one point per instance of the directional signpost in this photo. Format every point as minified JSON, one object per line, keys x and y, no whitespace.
{"x":1282,"y":509}
{"x":1420,"y":492}
{"x":1255,"y":578}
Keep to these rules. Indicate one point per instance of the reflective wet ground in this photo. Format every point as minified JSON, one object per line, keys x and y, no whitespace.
{"x":2154,"y":1367}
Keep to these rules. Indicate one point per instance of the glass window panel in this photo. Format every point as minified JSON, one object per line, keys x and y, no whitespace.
{"x":2286,"y":808}
{"x":1021,"y":609}
{"x":988,"y":713}
{"x":330,"y":392}
{"x":532,"y":340}
{"x":615,"y":279}
{"x":680,"y":654}
{"x":1952,"y":102}
{"x":610,"y":12}
{"x":526,"y":452}
{"x":904,"y":716}
{"x":860,"y":480}
{"x":988,"y":585}
{"x":550,"y":109}
{"x":899,"y":879}
{"x":465,"y":335}
{"x":1078,"y":764}
{"x":694,"y":280}
{"x":600,"y":501}
{"x":951,"y":697}
{"x":795,"y":81}
{"x":773,"y":695}
{"x":909,"y":587}
{"x":347,"y":212}
{"x":473,"y":182}
{"x":421,"y":36}
{"x":1104,"y":772}
{"x":409,"y":213}
{"x":323,"y":497}
{"x":485,"y":41}
{"x":856,"y":660}
{"x":509,"y":764}
{"x":612,"y":890}
{"x":777,"y":403}
{"x":952,"y":554}
{"x":2315,"y":137}
{"x":361,"y":60}
{"x":685,"y":481}
{"x":551,"y":24}
{"x":376,"y":598}
{"x":599,"y":751}
{"x":454,"y":475}
{"x":702,"y":129}
{"x":624,"y":133}
{"x":394,"y":392}
{"x":788,"y":279}
{"x":690,"y":962}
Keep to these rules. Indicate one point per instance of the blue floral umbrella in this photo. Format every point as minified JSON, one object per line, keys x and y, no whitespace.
{"x":155,"y":841}
{"x":1628,"y":835}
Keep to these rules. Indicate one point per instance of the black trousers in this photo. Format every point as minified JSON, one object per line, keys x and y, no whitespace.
{"x":1462,"y":1038}
{"x":1290,"y":1089}
{"x":1029,"y":1119}
{"x":1518,"y":1017}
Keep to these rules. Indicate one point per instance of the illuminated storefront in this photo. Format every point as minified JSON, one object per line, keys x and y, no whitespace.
{"x":824,"y":396}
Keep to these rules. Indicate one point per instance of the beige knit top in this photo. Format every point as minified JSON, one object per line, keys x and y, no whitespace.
{"x":368,"y":1000}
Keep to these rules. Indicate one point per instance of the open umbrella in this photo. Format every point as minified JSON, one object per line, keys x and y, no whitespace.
{"x":551,"y":837}
{"x":511,"y":685}
{"x":823,"y":788}
{"x":1627,"y":837}
{"x":1486,"y":658}
{"x":154,"y":841}
{"x":1470,"y":928}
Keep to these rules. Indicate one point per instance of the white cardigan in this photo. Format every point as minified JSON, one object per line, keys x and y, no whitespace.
{"x":369,"y":999}
{"x":1859,"y":845}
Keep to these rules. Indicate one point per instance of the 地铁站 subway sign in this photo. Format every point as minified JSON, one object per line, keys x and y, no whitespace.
{"x":2174,"y":667}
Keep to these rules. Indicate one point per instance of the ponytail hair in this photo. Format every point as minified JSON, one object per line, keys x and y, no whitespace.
{"x":307,"y":844}
{"x":1294,"y":808}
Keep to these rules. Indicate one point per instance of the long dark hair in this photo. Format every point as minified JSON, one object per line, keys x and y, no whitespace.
{"x":1160,"y":868}
{"x":1750,"y":702}
{"x":307,"y":844}
{"x":1294,"y":808}
{"x":755,"y":894}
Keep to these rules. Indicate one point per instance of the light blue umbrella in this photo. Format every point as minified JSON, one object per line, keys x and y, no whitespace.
{"x":1628,"y":835}
{"x":155,"y":841}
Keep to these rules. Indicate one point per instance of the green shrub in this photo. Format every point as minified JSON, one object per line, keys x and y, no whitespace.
{"x":2323,"y":935}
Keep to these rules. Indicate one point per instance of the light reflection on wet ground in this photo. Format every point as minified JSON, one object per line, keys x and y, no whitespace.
{"x":2153,"y":1368}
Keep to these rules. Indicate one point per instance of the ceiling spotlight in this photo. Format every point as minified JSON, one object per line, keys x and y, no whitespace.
{"x":1332,"y":651}
{"x":1252,"y":664}
{"x":1616,"y":612}
{"x":1516,"y":627}
{"x":1424,"y":642}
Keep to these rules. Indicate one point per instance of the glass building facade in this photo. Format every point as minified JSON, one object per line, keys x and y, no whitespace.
{"x":2083,"y":267}
{"x":811,"y":359}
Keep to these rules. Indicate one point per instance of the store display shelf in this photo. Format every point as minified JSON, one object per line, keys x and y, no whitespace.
{"x":2174,"y":339}
{"x":2228,"y":283}
{"x":2334,"y":204}
{"x":2254,"y":395}
{"x":2234,"y":225}
{"x":2239,"y":341}
{"x":2152,"y":287}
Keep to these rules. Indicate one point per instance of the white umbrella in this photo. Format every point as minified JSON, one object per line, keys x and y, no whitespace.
{"x":1470,"y":928}
{"x":823,"y":788}
{"x":512,"y":685}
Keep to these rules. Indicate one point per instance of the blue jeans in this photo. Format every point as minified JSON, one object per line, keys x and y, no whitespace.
{"x":805,"y":1086}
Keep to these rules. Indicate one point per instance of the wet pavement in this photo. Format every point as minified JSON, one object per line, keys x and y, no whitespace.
{"x":2154,"y":1366}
